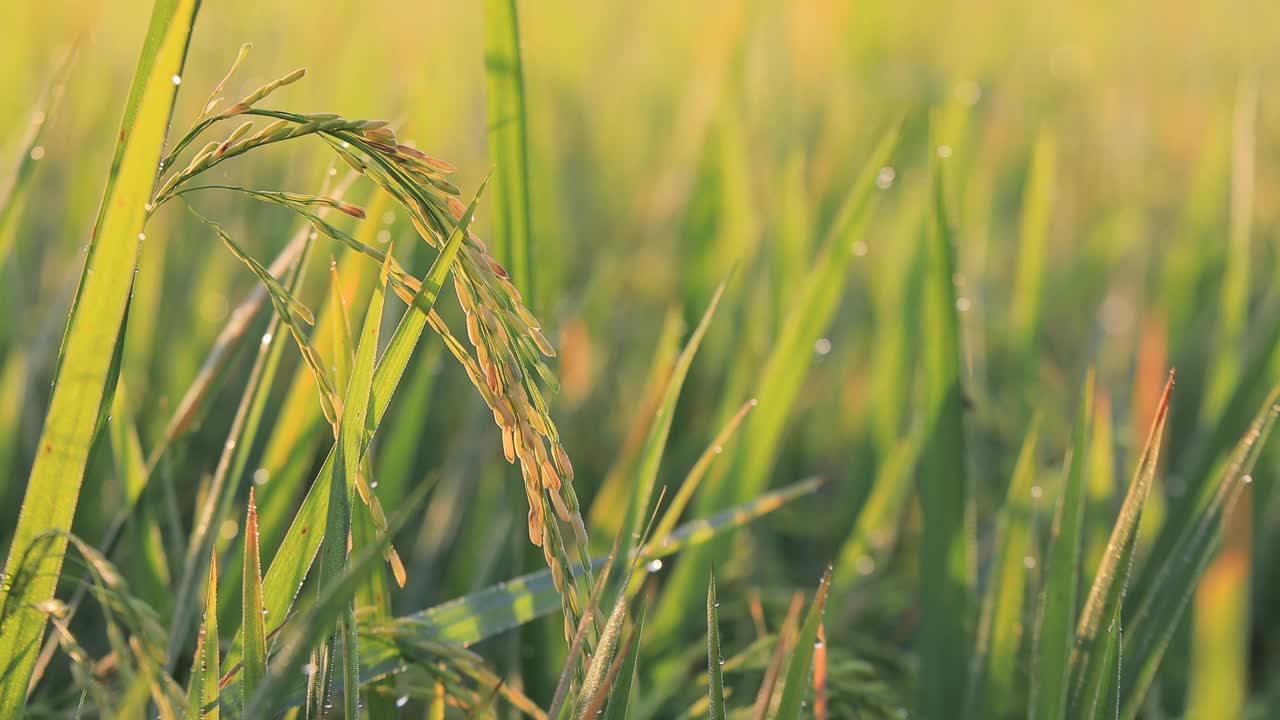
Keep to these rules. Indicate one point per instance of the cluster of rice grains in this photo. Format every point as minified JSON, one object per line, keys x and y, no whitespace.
{"x":508,"y":345}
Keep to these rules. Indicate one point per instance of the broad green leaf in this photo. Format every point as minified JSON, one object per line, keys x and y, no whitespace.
{"x":947,"y":565}
{"x":796,"y":686}
{"x":88,"y":359}
{"x":508,"y":142}
{"x":996,"y":661}
{"x":1097,"y":637}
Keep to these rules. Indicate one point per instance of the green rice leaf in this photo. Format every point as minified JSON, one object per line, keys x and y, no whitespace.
{"x":947,"y":566}
{"x":89,"y":356}
{"x":253,"y":614}
{"x":1056,"y":615}
{"x":1175,"y":575}
{"x":202,"y":694}
{"x":508,"y":142}
{"x":1097,"y":640}
{"x":14,"y":190}
{"x":996,"y":661}
{"x":715,"y":658}
{"x":796,"y":686}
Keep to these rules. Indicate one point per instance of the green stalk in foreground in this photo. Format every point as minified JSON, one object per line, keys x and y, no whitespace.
{"x":89,"y":360}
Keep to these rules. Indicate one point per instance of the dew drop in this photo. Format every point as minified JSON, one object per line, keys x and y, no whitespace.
{"x":333,"y":171}
{"x":1029,"y":562}
{"x":231,"y":444}
{"x":1246,"y":479}
{"x":654,"y":565}
{"x":963,"y":304}
{"x":37,"y":152}
{"x":822,"y":346}
{"x":142,"y":236}
{"x":884,"y":179}
{"x":865,"y":565}
{"x":266,"y":338}
{"x":177,"y":80}
{"x":817,"y":645}
{"x":944,"y":151}
{"x":860,"y":248}
{"x":402,"y":701}
{"x":1036,"y":491}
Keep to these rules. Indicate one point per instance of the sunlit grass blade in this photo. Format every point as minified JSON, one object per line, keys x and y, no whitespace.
{"x":253,"y":613}
{"x":947,"y":564}
{"x":342,"y":489}
{"x":879,"y":520}
{"x":715,"y":659}
{"x":656,"y":441}
{"x":202,"y":692}
{"x":1057,"y":605}
{"x":1097,"y":636}
{"x":996,"y":658}
{"x":1037,"y":199}
{"x":796,"y":686}
{"x":14,"y":189}
{"x":608,"y":509}
{"x":150,"y":561}
{"x":508,"y":142}
{"x":693,"y":480}
{"x":705,"y":529}
{"x":1174,"y":575}
{"x":88,"y":359}
{"x":1102,"y":483}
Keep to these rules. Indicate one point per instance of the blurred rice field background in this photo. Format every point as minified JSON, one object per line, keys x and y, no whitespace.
{"x":1106,"y":175}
